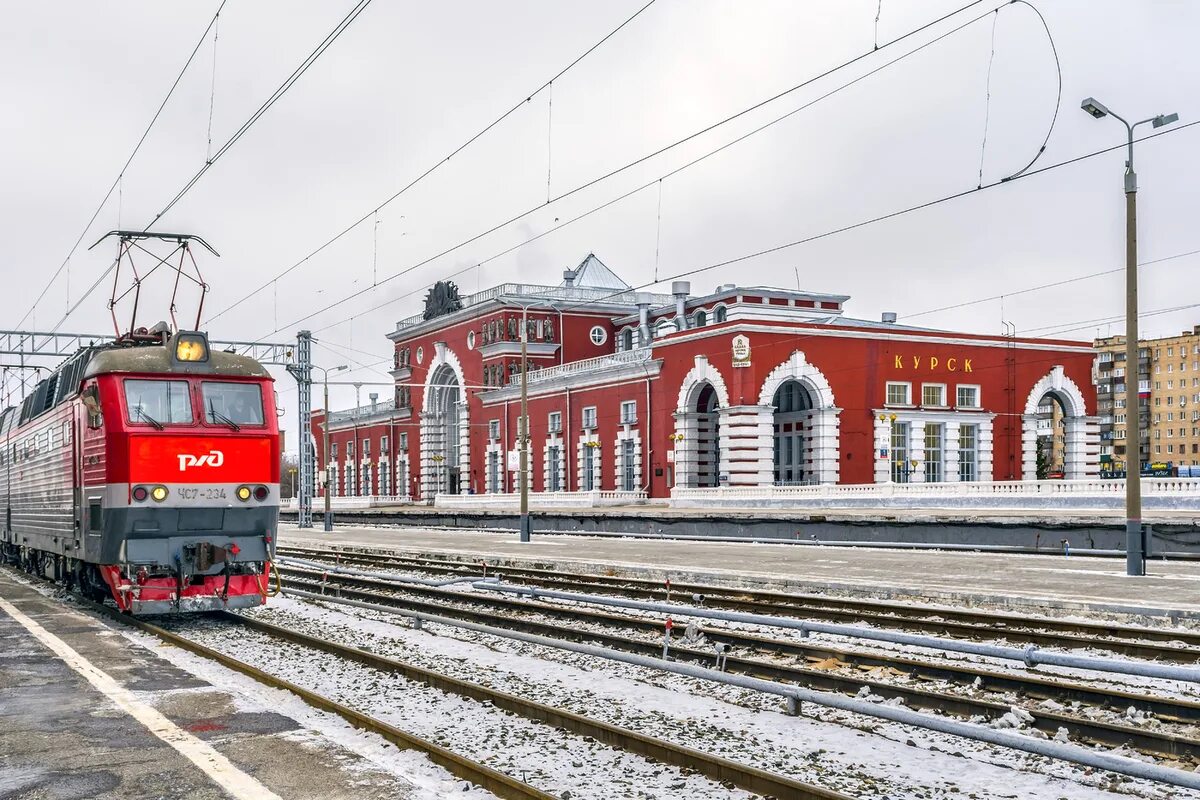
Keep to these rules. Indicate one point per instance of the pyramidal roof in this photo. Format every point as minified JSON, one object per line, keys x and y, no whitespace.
{"x":592,"y":273}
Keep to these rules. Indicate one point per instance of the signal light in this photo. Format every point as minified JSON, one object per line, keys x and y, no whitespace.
{"x":260,"y":493}
{"x":191,"y":347}
{"x":243,"y":493}
{"x":159,"y":493}
{"x":140,"y":493}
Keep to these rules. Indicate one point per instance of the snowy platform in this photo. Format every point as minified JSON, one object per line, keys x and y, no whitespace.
{"x":63,"y":735}
{"x":1022,"y":582}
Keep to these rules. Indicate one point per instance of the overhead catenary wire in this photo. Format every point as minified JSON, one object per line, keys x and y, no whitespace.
{"x":644,"y":158}
{"x":433,"y":168}
{"x":124,"y":167}
{"x":235,"y":138}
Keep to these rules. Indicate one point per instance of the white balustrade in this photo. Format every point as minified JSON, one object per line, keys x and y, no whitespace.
{"x":511,"y":501}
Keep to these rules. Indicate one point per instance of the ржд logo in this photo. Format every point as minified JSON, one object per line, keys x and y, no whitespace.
{"x":213,"y":458}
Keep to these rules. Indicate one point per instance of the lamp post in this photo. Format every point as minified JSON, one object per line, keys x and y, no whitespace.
{"x":523,"y":428}
{"x":1135,"y":556}
{"x":325,"y":447}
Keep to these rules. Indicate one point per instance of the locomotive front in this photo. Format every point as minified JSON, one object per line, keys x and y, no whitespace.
{"x":180,"y":484}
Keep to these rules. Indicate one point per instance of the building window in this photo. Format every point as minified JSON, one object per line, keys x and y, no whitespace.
{"x":493,"y":471}
{"x":968,"y":396}
{"x":701,"y":319}
{"x":350,"y":485}
{"x":366,"y":448}
{"x":719,"y":314}
{"x":404,"y":442}
{"x":629,"y":412}
{"x":933,"y":394}
{"x":333,"y":451}
{"x":366,"y":481}
{"x":470,"y":340}
{"x":383,"y":445}
{"x":385,"y":480}
{"x":494,"y":429}
{"x":968,"y":452}
{"x":934,"y":436}
{"x":900,"y":464}
{"x":420,"y":354}
{"x":628,"y":475}
{"x":553,"y":456}
{"x":554,"y":422}
{"x":598,"y":335}
{"x":627,"y":339}
{"x":589,"y":418}
{"x":587,"y":481}
{"x":350,"y":449}
{"x":899,"y":394}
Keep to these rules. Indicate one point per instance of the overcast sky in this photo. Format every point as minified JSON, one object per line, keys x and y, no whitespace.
{"x":408,"y":82}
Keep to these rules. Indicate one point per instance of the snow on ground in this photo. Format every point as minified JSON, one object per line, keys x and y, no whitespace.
{"x":863,"y":757}
{"x":553,"y":760}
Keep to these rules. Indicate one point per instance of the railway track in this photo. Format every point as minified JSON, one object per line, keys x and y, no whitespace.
{"x":1176,"y":645}
{"x":581,"y":624}
{"x":715,"y":768}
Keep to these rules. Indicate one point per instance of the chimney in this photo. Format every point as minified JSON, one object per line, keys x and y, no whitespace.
{"x":643,"y":324}
{"x":374,"y":399}
{"x":681,"y":290}
{"x":568,"y":278}
{"x":889,"y":317}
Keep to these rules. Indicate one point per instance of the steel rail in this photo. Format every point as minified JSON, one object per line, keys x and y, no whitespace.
{"x":1063,"y":633}
{"x":711,"y":766}
{"x":1157,"y":742}
{"x":460,"y":766}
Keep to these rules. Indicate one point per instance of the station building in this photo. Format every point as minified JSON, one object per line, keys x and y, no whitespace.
{"x":741,"y":387}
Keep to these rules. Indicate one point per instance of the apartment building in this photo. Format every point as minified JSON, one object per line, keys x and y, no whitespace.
{"x":1168,"y":375}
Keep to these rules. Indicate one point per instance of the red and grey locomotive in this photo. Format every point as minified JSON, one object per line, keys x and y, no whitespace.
{"x":146,"y":470}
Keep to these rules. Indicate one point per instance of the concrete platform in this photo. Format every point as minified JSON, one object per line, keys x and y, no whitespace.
{"x":1025,"y":582}
{"x":61,"y":737}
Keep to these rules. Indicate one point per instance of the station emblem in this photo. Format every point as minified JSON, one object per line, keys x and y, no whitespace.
{"x":741,"y":350}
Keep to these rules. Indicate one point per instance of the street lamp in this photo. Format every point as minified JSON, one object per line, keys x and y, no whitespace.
{"x":325,"y":449}
{"x":1135,"y":555}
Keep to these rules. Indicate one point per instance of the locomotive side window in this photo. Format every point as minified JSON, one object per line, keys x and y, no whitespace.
{"x":158,"y":403}
{"x":232,"y":403}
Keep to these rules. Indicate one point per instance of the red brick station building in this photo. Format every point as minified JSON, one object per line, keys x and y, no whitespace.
{"x":745,"y":386}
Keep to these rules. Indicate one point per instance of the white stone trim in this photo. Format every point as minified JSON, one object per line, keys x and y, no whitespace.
{"x":822,"y":426}
{"x":874,"y":334}
{"x":628,"y":433}
{"x":1081,"y":432}
{"x":430,"y":442}
{"x":554,"y":440}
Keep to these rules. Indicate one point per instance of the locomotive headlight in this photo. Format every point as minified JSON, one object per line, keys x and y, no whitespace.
{"x":159,"y":493}
{"x":191,"y":347}
{"x":260,"y":493}
{"x":243,"y":493}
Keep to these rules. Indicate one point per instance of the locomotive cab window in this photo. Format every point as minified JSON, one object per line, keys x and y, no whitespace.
{"x":232,"y":403}
{"x":158,"y":403}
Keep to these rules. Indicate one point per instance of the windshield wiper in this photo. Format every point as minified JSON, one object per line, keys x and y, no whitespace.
{"x":219,"y":417}
{"x":143,"y":415}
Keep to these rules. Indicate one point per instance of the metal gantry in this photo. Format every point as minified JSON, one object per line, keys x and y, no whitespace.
{"x":34,"y":346}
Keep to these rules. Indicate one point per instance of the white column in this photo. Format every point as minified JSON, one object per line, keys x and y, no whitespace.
{"x":950,"y":453}
{"x":746,"y":442}
{"x":824,"y":431}
{"x":883,"y":441}
{"x":1082,"y":435}
{"x":916,"y":451}
{"x":1029,"y":447}
{"x":987,"y":468}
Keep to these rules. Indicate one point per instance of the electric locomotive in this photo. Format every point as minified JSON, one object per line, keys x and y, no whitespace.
{"x":146,"y":471}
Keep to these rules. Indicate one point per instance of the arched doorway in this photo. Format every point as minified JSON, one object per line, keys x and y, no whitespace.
{"x":706,"y":449}
{"x":1059,"y":440}
{"x":443,"y":429}
{"x":793,"y":414}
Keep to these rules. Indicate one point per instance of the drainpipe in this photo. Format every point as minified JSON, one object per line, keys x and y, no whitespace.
{"x":503,"y":452}
{"x":681,"y":290}
{"x":646,"y":451}
{"x":568,"y":458}
{"x":643,"y":324}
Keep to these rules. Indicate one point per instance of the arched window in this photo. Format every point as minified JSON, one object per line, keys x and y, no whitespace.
{"x":701,"y":319}
{"x":719,"y":314}
{"x":627,"y":339}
